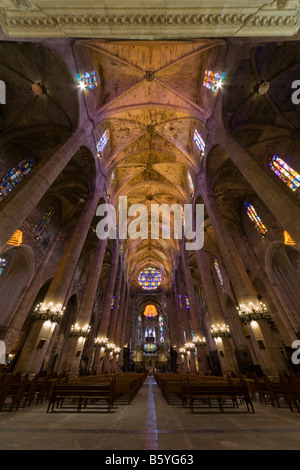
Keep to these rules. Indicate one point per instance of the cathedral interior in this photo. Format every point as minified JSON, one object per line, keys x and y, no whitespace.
{"x":208,"y":122}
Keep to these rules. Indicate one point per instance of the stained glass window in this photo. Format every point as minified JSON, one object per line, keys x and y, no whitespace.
{"x":218,"y":271}
{"x":289,"y":176}
{"x":3,"y":264}
{"x":161,"y":329}
{"x":199,"y":141}
{"x":45,"y":221}
{"x":102,"y":141}
{"x":192,"y":331}
{"x":191,"y":184}
{"x":112,"y":302}
{"x":15,"y":175}
{"x":139,"y":329}
{"x":256,"y":220}
{"x":88,"y":81}
{"x":187,"y":302}
{"x":180,"y":303}
{"x":150,"y":332}
{"x":182,"y":215}
{"x":149,"y":278}
{"x":213,"y":80}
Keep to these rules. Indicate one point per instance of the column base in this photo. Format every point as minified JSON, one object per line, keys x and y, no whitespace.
{"x":244,"y":360}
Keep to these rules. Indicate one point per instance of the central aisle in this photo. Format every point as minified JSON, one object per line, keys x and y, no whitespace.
{"x":151,"y":432}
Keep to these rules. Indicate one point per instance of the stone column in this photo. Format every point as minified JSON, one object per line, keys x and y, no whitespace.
{"x":17,"y":206}
{"x":184,"y":316}
{"x":269,"y":358}
{"x":181,"y":357}
{"x":82,"y":322}
{"x":32,"y":356}
{"x":194,"y":313}
{"x":281,"y":317}
{"x":215,"y":313}
{"x":18,"y":318}
{"x":173,"y":323}
{"x":114,"y":317}
{"x":116,"y":365}
{"x":127,"y":309}
{"x":103,"y":328}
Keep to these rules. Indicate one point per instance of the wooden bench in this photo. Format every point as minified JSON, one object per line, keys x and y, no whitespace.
{"x":82,"y":394}
{"x":219,"y":393}
{"x":128,"y":385}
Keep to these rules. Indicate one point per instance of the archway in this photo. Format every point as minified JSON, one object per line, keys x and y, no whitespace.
{"x":14,"y":279}
{"x":17,"y":347}
{"x":283,"y":268}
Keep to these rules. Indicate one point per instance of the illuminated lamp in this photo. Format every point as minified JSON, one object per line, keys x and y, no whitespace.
{"x":16,"y":239}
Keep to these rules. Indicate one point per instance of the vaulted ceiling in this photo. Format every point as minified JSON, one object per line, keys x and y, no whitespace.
{"x":151,"y":99}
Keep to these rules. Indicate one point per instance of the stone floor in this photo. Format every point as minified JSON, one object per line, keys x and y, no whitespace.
{"x":148,"y":423}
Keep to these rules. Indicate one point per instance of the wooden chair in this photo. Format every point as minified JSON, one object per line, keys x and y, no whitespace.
{"x":260,"y":390}
{"x":5,"y":389}
{"x":272,"y":393}
{"x":43,"y":389}
{"x":288,"y":393}
{"x":295,"y":385}
{"x":18,"y":394}
{"x":31,"y":391}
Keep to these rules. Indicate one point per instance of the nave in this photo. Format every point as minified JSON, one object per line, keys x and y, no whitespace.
{"x":149,"y":225}
{"x":149,"y":423}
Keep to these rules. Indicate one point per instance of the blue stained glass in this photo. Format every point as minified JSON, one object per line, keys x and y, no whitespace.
{"x":45,"y":221}
{"x":213,"y":80}
{"x":161,"y":329}
{"x":199,"y":141}
{"x":88,"y":80}
{"x":3,"y":264}
{"x":102,"y":141}
{"x":15,"y":175}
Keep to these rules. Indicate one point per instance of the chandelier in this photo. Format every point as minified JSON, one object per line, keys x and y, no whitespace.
{"x":200,"y":341}
{"x":78,"y":332}
{"x":220,"y":331}
{"x":251,"y":313}
{"x":52,"y":312}
{"x":150,"y":311}
{"x":100,"y":342}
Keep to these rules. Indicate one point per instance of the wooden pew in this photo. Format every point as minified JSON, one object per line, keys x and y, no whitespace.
{"x":4,"y":391}
{"x":82,"y":394}
{"x":207,"y":389}
{"x":220,"y":393}
{"x":16,"y":392}
{"x":128,"y":384}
